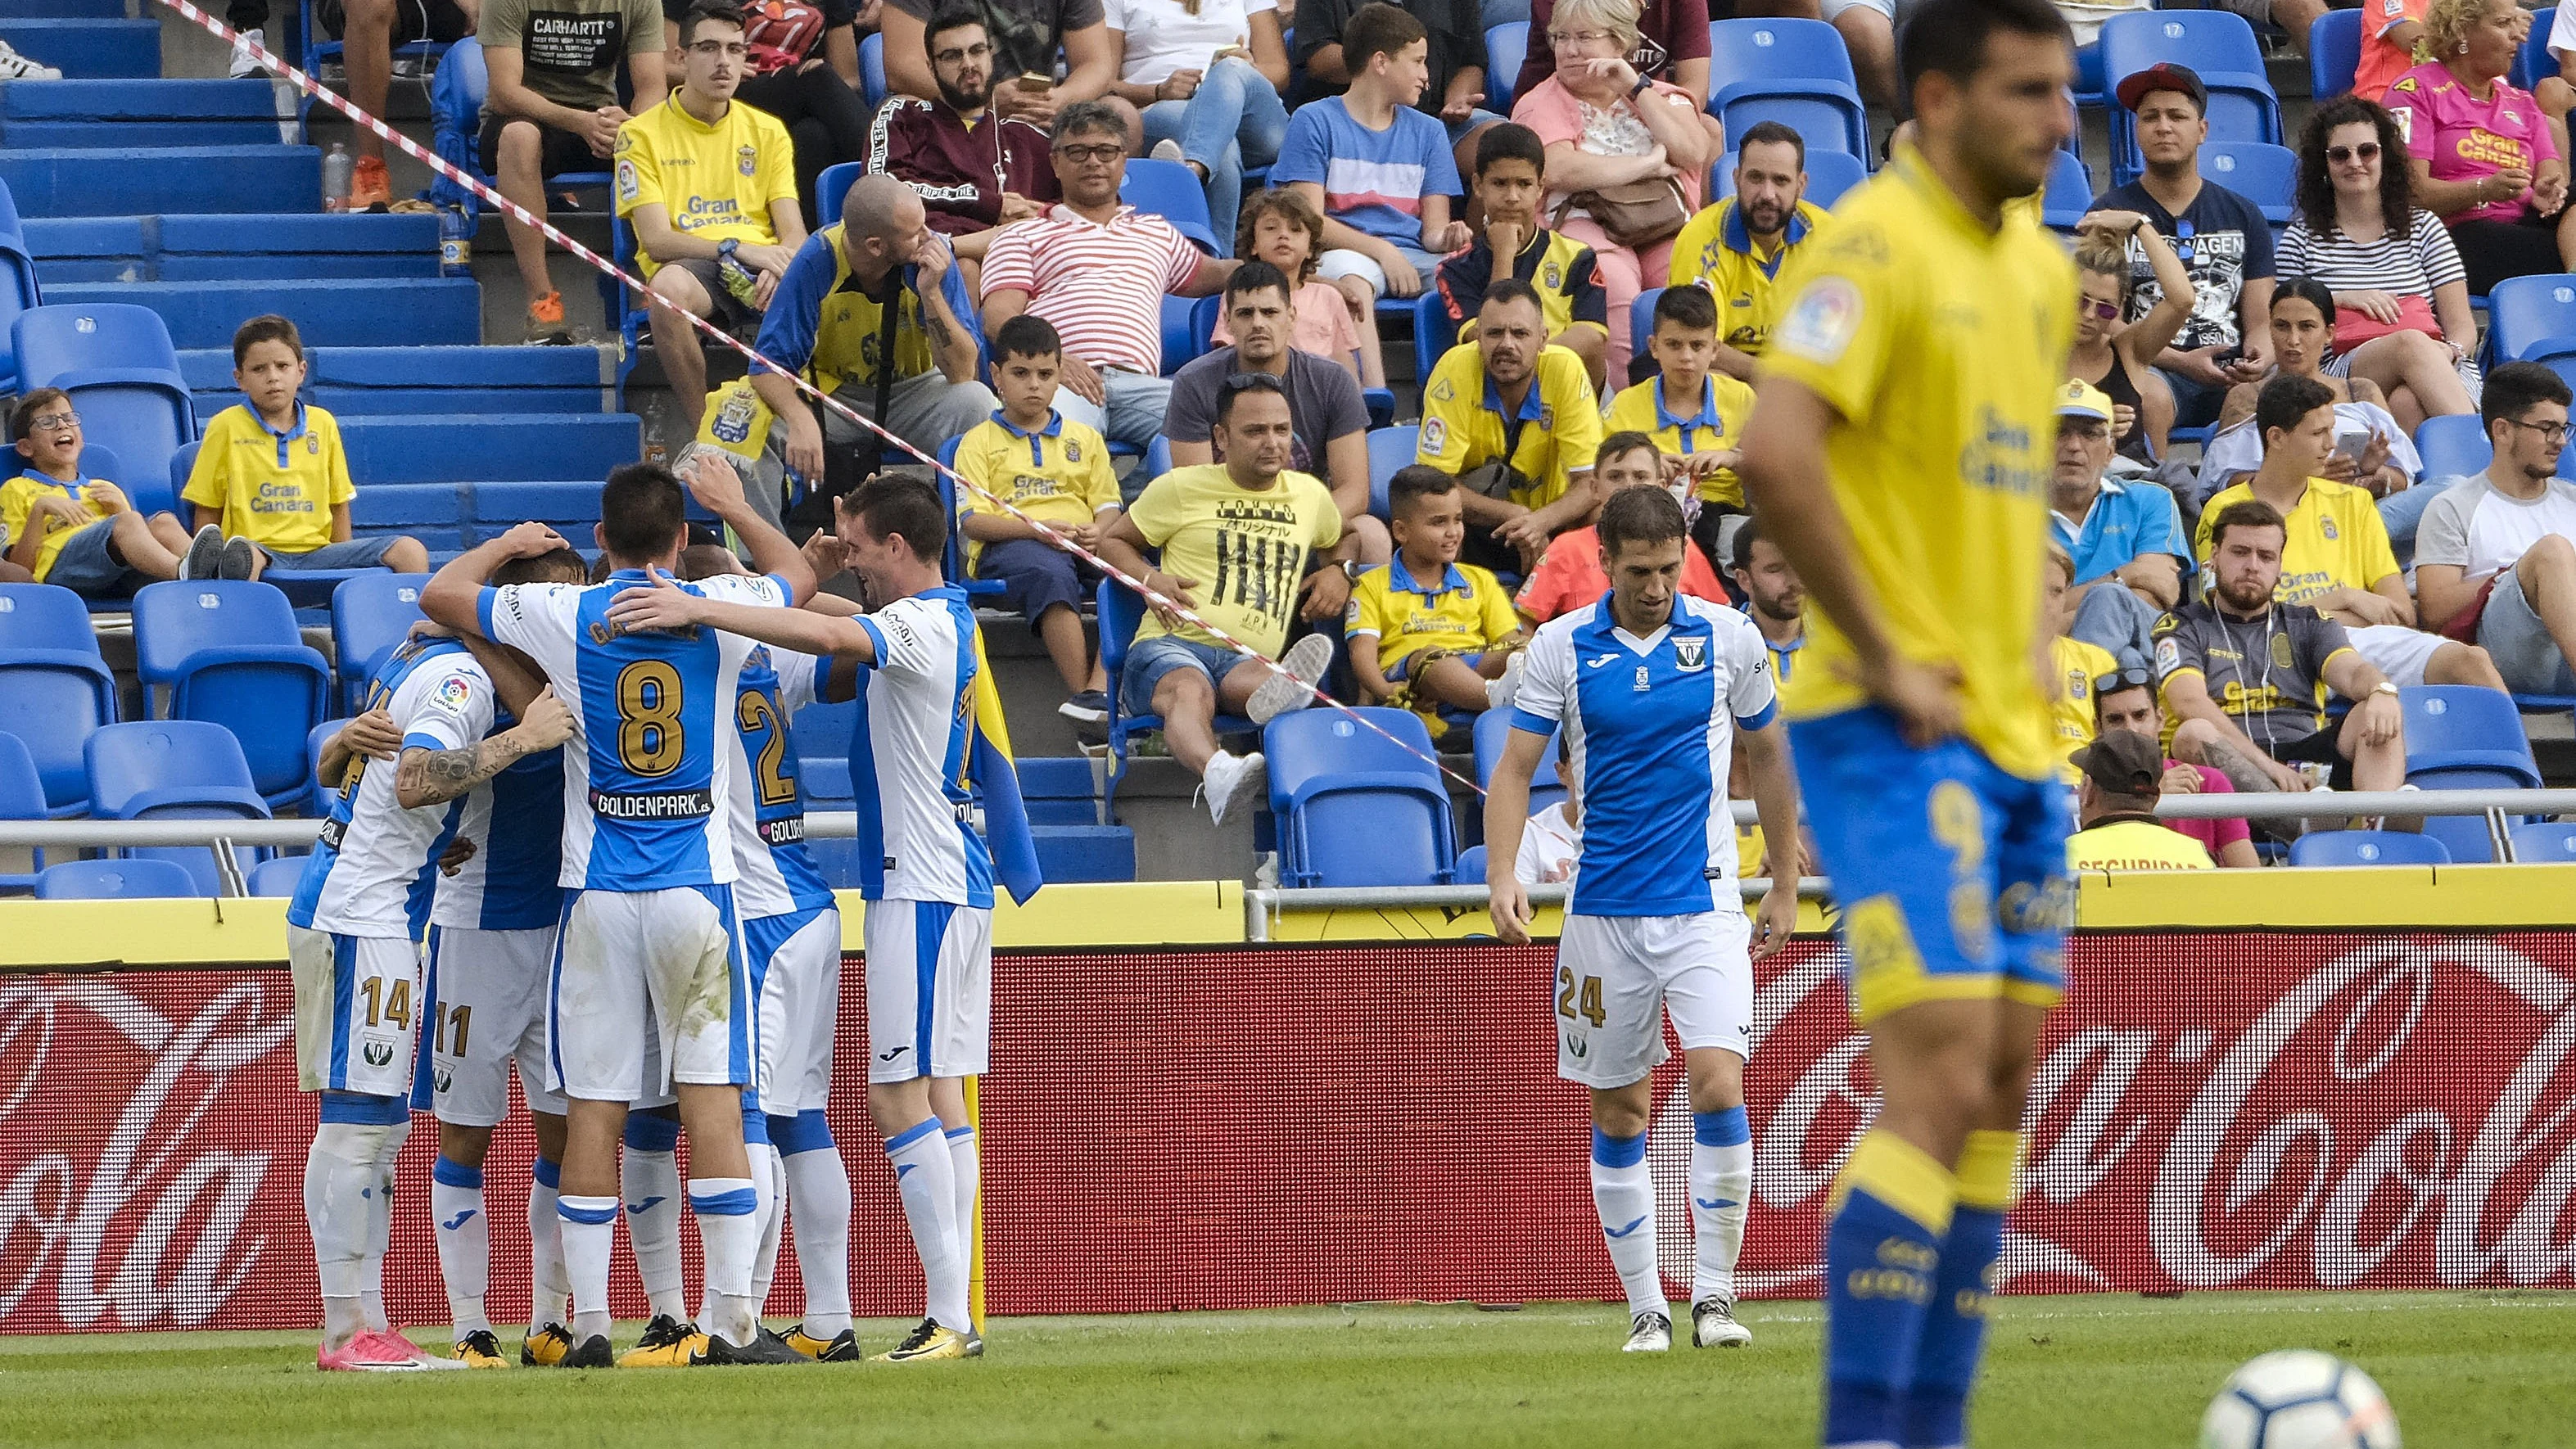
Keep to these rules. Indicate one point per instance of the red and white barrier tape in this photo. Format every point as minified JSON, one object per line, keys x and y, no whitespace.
{"x":439,"y":164}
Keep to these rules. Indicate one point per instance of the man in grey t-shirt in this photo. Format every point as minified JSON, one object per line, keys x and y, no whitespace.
{"x":2503,"y":542}
{"x":1324,"y":402}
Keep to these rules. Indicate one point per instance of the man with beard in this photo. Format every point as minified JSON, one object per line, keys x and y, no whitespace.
{"x":1773,"y":598}
{"x":1525,"y":484}
{"x":975,"y":171}
{"x":1736,"y":248}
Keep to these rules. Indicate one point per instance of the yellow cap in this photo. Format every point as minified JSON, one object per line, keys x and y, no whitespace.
{"x":2081,"y":399}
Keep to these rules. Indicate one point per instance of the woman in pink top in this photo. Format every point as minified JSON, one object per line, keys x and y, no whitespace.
{"x":2482,"y":152}
{"x":1605,"y":125}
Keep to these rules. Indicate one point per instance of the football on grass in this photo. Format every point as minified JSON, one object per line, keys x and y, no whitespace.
{"x":2299,"y":1399}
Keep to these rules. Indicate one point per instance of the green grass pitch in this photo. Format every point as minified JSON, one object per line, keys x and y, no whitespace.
{"x":2464,"y":1370}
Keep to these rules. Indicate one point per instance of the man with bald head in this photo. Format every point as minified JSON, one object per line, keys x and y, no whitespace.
{"x":874,"y":312}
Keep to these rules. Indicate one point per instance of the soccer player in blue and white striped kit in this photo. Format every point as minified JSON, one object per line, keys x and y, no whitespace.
{"x":1651,"y":689}
{"x":649,"y":991}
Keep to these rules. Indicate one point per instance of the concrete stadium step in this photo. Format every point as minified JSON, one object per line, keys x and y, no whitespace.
{"x":382,"y":313}
{"x":87,"y":49}
{"x":62,"y":9}
{"x":231,"y":248}
{"x":230,"y":180}
{"x":114,"y":135}
{"x":568,"y":456}
{"x":138,"y":100}
{"x":362,"y":381}
{"x":1070,"y":854}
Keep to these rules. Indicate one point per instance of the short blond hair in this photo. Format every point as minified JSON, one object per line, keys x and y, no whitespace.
{"x":2446,"y":25}
{"x":1619,"y":17}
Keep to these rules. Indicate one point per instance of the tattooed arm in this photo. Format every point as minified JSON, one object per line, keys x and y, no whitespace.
{"x":429,"y":777}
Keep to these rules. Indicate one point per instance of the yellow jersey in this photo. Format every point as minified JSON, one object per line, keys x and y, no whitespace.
{"x":1716,"y":425}
{"x":1552,"y":437}
{"x":1716,"y":251}
{"x":716,"y":180}
{"x":1941,"y":345}
{"x":2078,"y":665}
{"x":1246,"y":550}
{"x":275,"y":489}
{"x":1466,"y":611}
{"x":1057,"y":474}
{"x":2135,"y":845}
{"x":2335,"y":539}
{"x":19,"y":494}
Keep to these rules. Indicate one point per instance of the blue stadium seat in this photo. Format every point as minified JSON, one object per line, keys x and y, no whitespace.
{"x":318,"y":803}
{"x":18,"y":290}
{"x":2069,"y":194}
{"x":2219,"y":46}
{"x":170,"y":770}
{"x":2367,"y":847}
{"x":1433,"y":334}
{"x":54,"y":687}
{"x":277,"y":878}
{"x":1641,"y":314}
{"x":1170,"y":191}
{"x":1506,"y":49}
{"x":1493,"y":728}
{"x":2530,"y":316}
{"x":1829,"y":174}
{"x":1470,"y":869}
{"x":832,"y":188}
{"x":2452,"y":728}
{"x":117,"y":363}
{"x":2546,"y":842}
{"x":2453,"y":447}
{"x":2466,"y":837}
{"x":2262,"y":173}
{"x":230,"y":654}
{"x":1794,"y":71}
{"x":1182,"y":342}
{"x":872,"y":75}
{"x":1389,"y":449}
{"x":115,"y":880}
{"x":370,"y":614}
{"x":953,"y":564}
{"x":2090,"y":92}
{"x":22,"y":797}
{"x":1120,"y":610}
{"x":821,"y":732}
{"x":2334,"y":53}
{"x":1354,"y":807}
{"x":2533,"y":63}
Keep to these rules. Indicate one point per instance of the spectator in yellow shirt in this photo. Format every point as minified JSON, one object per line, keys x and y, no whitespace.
{"x":272,"y":474}
{"x":2119,"y":779}
{"x":67,"y":528}
{"x":1525,"y":484}
{"x":709,"y":185}
{"x":1694,"y":413}
{"x":2075,"y":667}
{"x":1052,"y":469}
{"x":1426,"y":632}
{"x":1736,"y":248}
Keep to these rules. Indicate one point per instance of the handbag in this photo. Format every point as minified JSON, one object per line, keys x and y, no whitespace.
{"x":1632,"y":214}
{"x":779,"y":34}
{"x":2414,"y":314}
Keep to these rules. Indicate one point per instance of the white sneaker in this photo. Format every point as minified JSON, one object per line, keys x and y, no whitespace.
{"x":1167,"y":149}
{"x":244,"y":63}
{"x":1713,"y":1325}
{"x":1233,"y":780}
{"x":14,"y":66}
{"x":1652,"y":1333}
{"x":1307,"y":659}
{"x":1500,"y":692}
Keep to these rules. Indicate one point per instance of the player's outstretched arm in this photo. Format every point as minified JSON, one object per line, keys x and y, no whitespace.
{"x":665,"y":605}
{"x":1506,"y":815}
{"x":431,"y":777}
{"x":718,"y":489}
{"x":1775,"y":801}
{"x":453,"y":591}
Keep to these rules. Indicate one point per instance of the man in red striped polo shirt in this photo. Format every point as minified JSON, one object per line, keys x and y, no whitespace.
{"x":1099,"y":270}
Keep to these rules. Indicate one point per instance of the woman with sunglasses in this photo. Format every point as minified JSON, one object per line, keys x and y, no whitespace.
{"x":2482,"y":152}
{"x":2402,"y":318}
{"x":2303,"y":336}
{"x":2119,"y":357}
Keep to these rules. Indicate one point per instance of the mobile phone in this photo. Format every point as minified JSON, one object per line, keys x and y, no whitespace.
{"x":1035,"y":82}
{"x":2354,"y":444}
{"x":2228,"y":358}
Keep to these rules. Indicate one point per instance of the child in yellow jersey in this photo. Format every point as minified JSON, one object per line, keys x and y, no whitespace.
{"x":65,"y":527}
{"x":271,"y":473}
{"x":1051,"y":469}
{"x":2076,"y":668}
{"x":1694,"y":413}
{"x":1426,"y":632}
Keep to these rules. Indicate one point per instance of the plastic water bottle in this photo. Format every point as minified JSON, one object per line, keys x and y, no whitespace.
{"x":455,"y":243}
{"x":339,"y":174}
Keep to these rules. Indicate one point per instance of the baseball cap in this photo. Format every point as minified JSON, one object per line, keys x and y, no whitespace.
{"x":2081,"y":399}
{"x":2123,"y":762}
{"x":2163,"y":76}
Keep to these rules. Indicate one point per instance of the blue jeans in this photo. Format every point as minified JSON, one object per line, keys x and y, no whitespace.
{"x":2402,"y":513}
{"x":1232,"y":121}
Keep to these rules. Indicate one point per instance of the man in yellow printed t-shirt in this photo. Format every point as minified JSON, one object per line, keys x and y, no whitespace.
{"x":1517,"y":422}
{"x":709,"y":185}
{"x":1237,"y":539}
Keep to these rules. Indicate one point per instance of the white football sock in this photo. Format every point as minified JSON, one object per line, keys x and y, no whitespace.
{"x":380,"y":1222}
{"x":339,"y":1182}
{"x":818,"y":1193}
{"x":547,"y":1285}
{"x":651,"y":1182}
{"x":589,"y":1235}
{"x":728,"y":1213}
{"x":927,"y":1180}
{"x":1721,"y":1183}
{"x":464,"y":1243}
{"x":1623,"y":1191}
{"x":773,"y":1218}
{"x":965,"y":1166}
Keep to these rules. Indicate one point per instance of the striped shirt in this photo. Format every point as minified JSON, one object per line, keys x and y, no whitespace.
{"x":1101,"y":285}
{"x":2406,"y":266}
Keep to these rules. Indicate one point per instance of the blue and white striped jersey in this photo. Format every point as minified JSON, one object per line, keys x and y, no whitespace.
{"x":909,"y":754}
{"x":778,"y":875}
{"x":1650,"y":723}
{"x":371,"y":872}
{"x":515,"y":820}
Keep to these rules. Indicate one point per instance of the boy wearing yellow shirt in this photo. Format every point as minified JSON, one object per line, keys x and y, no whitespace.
{"x":1694,"y":413}
{"x":1426,"y":632}
{"x":67,"y":528}
{"x":271,"y":473}
{"x":1051,"y":469}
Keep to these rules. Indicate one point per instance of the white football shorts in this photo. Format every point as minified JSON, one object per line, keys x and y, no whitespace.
{"x":649,"y":989}
{"x":930,"y":989}
{"x":796,"y":969}
{"x":1617,"y":977}
{"x":487,"y":995}
{"x":357,"y":1001}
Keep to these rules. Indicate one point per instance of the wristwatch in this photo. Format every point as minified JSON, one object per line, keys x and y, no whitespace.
{"x":2385,"y":687}
{"x":726,"y":248}
{"x":1643,"y":85}
{"x":1351,"y":569}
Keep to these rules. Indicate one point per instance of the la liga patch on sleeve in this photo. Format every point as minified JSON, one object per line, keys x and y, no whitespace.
{"x":1821,"y":323}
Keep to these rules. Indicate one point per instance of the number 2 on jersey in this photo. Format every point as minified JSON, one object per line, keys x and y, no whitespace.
{"x":649,"y":742}
{"x":755,"y":716}
{"x":1582,"y":996}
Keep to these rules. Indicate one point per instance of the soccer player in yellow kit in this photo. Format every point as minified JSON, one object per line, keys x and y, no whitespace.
{"x":1900,"y":454}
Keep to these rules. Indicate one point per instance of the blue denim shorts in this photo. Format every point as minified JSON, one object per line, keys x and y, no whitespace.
{"x":357,"y":553}
{"x":86,"y":566}
{"x":1150,"y":659}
